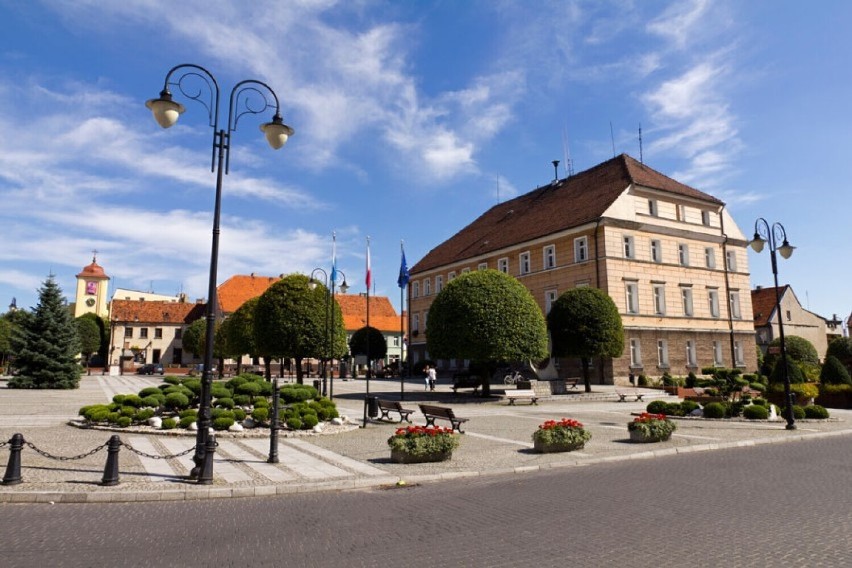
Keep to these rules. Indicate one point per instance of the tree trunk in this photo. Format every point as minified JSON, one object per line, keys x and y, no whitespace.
{"x":299,"y":375}
{"x":586,"y":381}
{"x":267,"y":368}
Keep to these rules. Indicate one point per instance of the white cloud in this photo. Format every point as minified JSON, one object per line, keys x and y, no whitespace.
{"x":681,"y":21}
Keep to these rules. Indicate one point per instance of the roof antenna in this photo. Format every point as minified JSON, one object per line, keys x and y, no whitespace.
{"x":555,"y":170}
{"x":569,"y":163}
{"x":641,"y":160}
{"x":612,"y":138}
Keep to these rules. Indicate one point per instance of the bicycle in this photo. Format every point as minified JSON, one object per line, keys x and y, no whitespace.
{"x":513,"y":378}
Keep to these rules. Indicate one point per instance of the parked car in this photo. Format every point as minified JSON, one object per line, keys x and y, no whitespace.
{"x":198,"y":369}
{"x":150,"y":369}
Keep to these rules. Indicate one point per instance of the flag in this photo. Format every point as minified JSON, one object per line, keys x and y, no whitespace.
{"x":333,"y":258}
{"x":404,"y":276}
{"x":369,"y":275}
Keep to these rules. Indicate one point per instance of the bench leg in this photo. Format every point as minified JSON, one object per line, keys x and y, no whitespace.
{"x":430,"y":421}
{"x":639,"y":397}
{"x":511,"y":402}
{"x":457,"y":426}
{"x":405,"y":417}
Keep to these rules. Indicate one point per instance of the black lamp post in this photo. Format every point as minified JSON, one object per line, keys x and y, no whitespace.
{"x":329,"y":283}
{"x":764,"y":233}
{"x":247,"y":97}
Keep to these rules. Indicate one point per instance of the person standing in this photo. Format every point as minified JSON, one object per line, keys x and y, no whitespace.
{"x":432,"y":378}
{"x":426,"y":376}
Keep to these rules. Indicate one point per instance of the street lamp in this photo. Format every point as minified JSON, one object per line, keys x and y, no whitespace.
{"x":764,"y":233}
{"x":247,"y":97}
{"x":329,"y":283}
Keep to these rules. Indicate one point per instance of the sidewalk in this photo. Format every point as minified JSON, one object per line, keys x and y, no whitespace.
{"x":497,"y":441}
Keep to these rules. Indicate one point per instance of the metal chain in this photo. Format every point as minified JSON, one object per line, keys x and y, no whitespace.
{"x":66,"y":458}
{"x":157,"y":457}
{"x":3,"y":444}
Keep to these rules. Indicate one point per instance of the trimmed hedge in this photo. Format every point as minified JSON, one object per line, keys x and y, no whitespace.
{"x":756,"y":412}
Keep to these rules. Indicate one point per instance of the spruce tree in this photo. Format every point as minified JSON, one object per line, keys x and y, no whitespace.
{"x":47,"y":347}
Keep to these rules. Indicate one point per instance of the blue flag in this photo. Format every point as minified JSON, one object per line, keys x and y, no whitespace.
{"x":333,"y":257}
{"x":403,"y":271}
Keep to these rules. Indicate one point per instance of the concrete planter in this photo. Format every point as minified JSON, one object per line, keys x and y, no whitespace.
{"x":638,"y":436}
{"x":543,"y":448}
{"x":399,"y":456}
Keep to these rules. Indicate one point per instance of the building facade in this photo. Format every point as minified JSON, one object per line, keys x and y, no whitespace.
{"x":796,"y":319}
{"x":670,"y":256}
{"x":92,"y":293}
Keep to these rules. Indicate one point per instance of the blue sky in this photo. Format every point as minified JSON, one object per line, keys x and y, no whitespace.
{"x":411,"y":119}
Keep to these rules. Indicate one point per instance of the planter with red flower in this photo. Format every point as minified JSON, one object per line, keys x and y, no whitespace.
{"x":560,"y":436}
{"x":649,"y":427}
{"x":420,"y":444}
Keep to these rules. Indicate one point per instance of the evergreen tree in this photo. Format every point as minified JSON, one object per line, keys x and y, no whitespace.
{"x":47,"y":347}
{"x":834,"y":373}
{"x":88,"y":336}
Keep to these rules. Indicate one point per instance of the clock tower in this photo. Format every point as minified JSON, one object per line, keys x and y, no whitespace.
{"x":92,"y":290}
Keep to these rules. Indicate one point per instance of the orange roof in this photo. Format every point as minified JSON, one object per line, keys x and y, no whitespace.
{"x":238,"y":289}
{"x":552,"y":208}
{"x":155,"y":311}
{"x":382,"y":315}
{"x":763,"y":304}
{"x":94,"y":270}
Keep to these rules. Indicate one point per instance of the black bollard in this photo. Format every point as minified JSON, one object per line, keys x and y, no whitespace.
{"x":205,"y":477}
{"x":273,"y":425}
{"x":13,"y":468}
{"x":111,"y":468}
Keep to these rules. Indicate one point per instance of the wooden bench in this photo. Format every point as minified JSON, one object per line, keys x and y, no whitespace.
{"x":466,"y":381}
{"x":433,"y":413}
{"x":524,"y":394}
{"x":571,"y":384}
{"x":622,"y":395}
{"x":388,"y":406}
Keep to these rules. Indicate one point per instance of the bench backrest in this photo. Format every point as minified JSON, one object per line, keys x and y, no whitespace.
{"x":390,"y":404}
{"x":521,"y":392}
{"x":437,"y":410}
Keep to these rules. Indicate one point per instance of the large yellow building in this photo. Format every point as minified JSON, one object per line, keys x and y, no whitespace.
{"x":670,"y":256}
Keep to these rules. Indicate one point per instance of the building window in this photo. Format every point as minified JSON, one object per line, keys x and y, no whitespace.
{"x":691,"y":360}
{"x":662,"y":353}
{"x":735,"y":305}
{"x":524,"y":263}
{"x":635,"y":353}
{"x":503,"y":265}
{"x":731,"y":259}
{"x":451,"y":276}
{"x":158,"y":333}
{"x":713,"y":299}
{"x":686,"y":298}
{"x":789,"y":315}
{"x":549,"y":297}
{"x":659,"y":299}
{"x":683,"y":254}
{"x":656,"y":251}
{"x":717,"y":354}
{"x":425,"y":320}
{"x":629,"y":249}
{"x":738,"y":353}
{"x":709,"y":257}
{"x":482,"y":266}
{"x":652,"y":207}
{"x":581,"y":249}
{"x":632,"y":294}
{"x":705,"y":218}
{"x":439,"y":283}
{"x":681,"y":212}
{"x":396,"y":341}
{"x":549,"y":254}
{"x":128,"y":332}
{"x":179,"y":333}
{"x":143,"y":333}
{"x":427,"y":286}
{"x":465,"y":270}
{"x":415,"y":322}
{"x":415,"y":289}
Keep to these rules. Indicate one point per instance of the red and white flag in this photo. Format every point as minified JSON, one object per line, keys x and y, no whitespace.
{"x":369,"y":274}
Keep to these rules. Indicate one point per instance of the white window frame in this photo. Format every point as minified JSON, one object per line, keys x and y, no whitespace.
{"x":548,"y":254}
{"x":550,"y":296}
{"x":687,"y":301}
{"x":660,"y":299}
{"x":731,"y":260}
{"x":581,"y":249}
{"x":662,"y":353}
{"x":465,"y":270}
{"x":656,"y":251}
{"x":681,"y":212}
{"x":691,"y":356}
{"x":503,"y":265}
{"x":439,"y":284}
{"x":705,"y":217}
{"x":631,"y":290}
{"x":717,"y":354}
{"x":709,"y":257}
{"x":653,"y":210}
{"x":734,"y":305}
{"x":482,"y":266}
{"x":451,"y":276}
{"x":635,"y":353}
{"x":683,"y":254}
{"x":713,"y":301}
{"x":628,"y":246}
{"x":427,"y":286}
{"x":415,"y":322}
{"x":524,"y":263}
{"x":738,"y":354}
{"x":415,"y":289}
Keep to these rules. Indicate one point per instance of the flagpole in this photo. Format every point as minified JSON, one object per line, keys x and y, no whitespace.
{"x":403,"y":281}
{"x":369,"y":363}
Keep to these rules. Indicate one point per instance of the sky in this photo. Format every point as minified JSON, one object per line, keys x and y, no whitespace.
{"x":411,"y":119}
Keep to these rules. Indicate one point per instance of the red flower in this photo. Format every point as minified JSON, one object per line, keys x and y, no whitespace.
{"x":564,"y":423}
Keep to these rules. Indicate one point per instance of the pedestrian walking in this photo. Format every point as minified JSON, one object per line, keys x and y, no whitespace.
{"x":432,"y":378}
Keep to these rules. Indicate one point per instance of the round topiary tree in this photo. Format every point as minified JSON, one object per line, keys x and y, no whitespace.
{"x":585,"y":323}
{"x":794,"y":373}
{"x":487,"y":317}
{"x":369,"y":342}
{"x":841,"y":347}
{"x":798,"y":348}
{"x":834,"y":373}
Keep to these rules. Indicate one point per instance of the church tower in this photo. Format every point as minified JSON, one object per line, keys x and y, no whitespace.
{"x":92,"y":290}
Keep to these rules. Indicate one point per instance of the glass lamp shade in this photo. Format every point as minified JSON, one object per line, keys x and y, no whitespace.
{"x":165,"y":110}
{"x":277,"y":133}
{"x":344,"y":287}
{"x":757,"y":243}
{"x":786,"y":249}
{"x":312,"y":284}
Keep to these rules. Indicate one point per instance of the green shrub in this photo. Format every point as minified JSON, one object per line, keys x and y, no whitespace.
{"x":188,"y":412}
{"x":129,"y":411}
{"x":260,"y":414}
{"x":759,"y":387}
{"x":761,"y":402}
{"x":657,"y":407}
{"x":260,"y":402}
{"x":798,"y":412}
{"x":132,"y":400}
{"x":171,"y":380}
{"x":152,"y":401}
{"x":249,"y":388}
{"x":794,"y":372}
{"x":691,"y":379}
{"x":242,"y":399}
{"x":816,"y":411}
{"x":119,"y":398}
{"x":642,"y":381}
{"x":297,"y":393}
{"x":96,"y":413}
{"x":113,"y":417}
{"x":834,"y":372}
{"x":714,"y":410}
{"x":835,"y":389}
{"x":735,"y":408}
{"x":220,"y":391}
{"x":224,"y":402}
{"x":223,"y":423}
{"x":168,"y":424}
{"x":688,"y":406}
{"x":144,"y":414}
{"x":309,"y":421}
{"x":176,"y":401}
{"x":148,"y":391}
{"x":221,"y":413}
{"x":123,"y":421}
{"x":186,"y":421}
{"x":194,"y":385}
{"x":239,"y":414}
{"x":174,"y":389}
{"x":235,"y":382}
{"x":756,"y":412}
{"x":294,"y":423}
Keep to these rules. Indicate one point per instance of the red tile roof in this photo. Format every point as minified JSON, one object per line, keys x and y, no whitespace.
{"x":382,"y":314}
{"x":570,"y":202}
{"x":155,"y":312}
{"x":763,"y":304}
{"x":237,"y":289}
